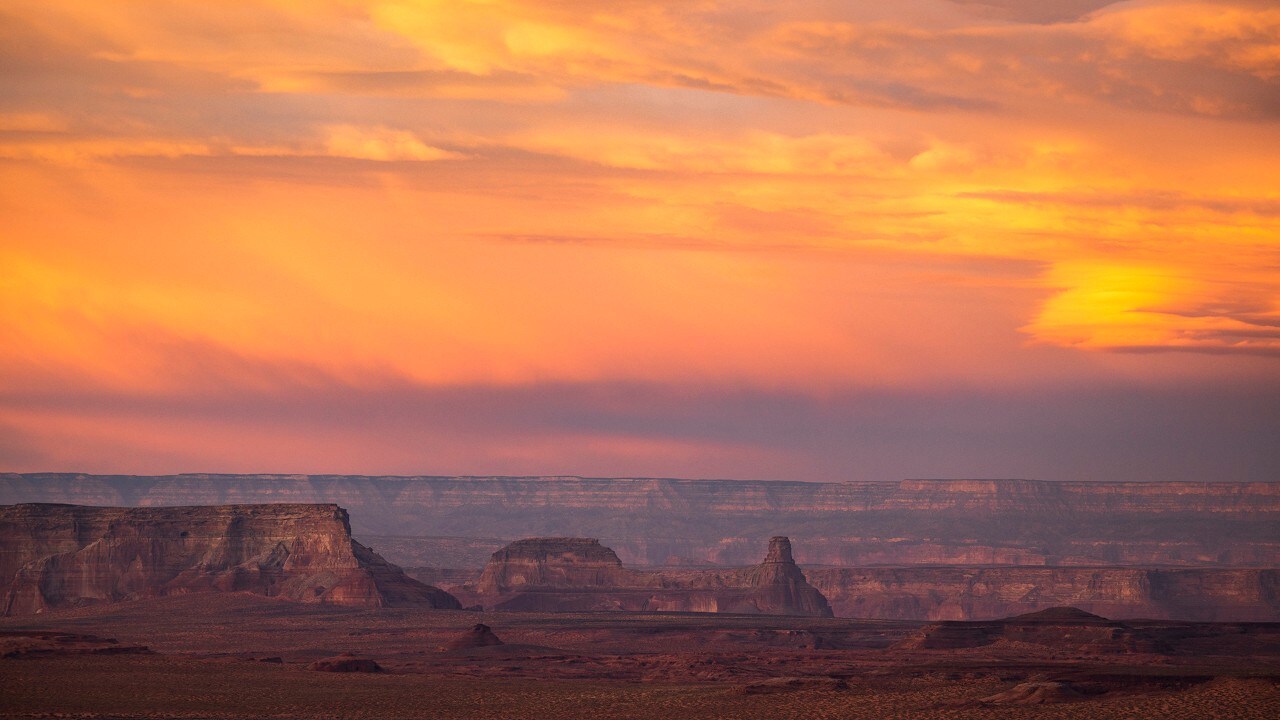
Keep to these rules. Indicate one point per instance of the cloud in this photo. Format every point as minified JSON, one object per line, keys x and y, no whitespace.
{"x":769,"y":198}
{"x":1150,"y":200}
{"x":1153,"y":308}
{"x":382,"y":144}
{"x":390,"y":425}
{"x":753,"y":152}
{"x":805,"y":240}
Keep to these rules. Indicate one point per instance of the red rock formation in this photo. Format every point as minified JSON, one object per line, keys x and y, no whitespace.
{"x":957,"y":522}
{"x":64,"y":555}
{"x":778,"y":583}
{"x":576,"y":574}
{"x":1063,"y":627}
{"x":552,"y":562}
{"x":980,"y":593}
{"x":478,"y":636}
{"x":1113,"y":548}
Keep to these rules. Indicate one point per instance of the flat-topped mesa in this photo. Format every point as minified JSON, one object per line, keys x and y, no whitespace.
{"x":578,"y":551}
{"x":55,"y":556}
{"x":553,"y":562}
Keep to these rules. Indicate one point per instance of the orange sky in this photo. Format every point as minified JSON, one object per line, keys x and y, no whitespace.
{"x":469,"y":237}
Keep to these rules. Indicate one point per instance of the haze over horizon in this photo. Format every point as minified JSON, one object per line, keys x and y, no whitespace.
{"x":810,"y":241}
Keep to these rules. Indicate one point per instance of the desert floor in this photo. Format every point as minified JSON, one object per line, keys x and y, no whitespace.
{"x":240,"y":656}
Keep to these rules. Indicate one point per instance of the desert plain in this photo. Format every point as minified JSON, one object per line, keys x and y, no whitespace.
{"x":237,"y":655}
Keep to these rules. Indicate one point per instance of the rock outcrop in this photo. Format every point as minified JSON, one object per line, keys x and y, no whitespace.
{"x":55,"y":556}
{"x":1061,"y":627}
{"x":652,"y":522}
{"x":984,"y":593}
{"x":779,"y":583}
{"x":913,"y":549}
{"x":346,"y":663}
{"x":479,"y":636}
{"x":1043,"y":692}
{"x":44,"y":643}
{"x":578,"y":574}
{"x":551,"y":562}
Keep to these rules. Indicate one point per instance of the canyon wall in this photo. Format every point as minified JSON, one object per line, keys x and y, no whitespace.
{"x":458,"y":521}
{"x":55,"y":556}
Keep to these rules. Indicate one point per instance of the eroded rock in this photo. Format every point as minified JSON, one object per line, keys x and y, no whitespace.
{"x":580,"y":574}
{"x":68,"y":555}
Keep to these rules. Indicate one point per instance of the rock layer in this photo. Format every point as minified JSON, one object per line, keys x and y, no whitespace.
{"x":1061,"y":628}
{"x":981,"y":593}
{"x":64,"y":555}
{"x":551,"y":562}
{"x":695,"y":522}
{"x":579,"y":574}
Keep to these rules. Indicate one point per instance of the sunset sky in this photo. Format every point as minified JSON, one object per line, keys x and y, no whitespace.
{"x":808,"y":240}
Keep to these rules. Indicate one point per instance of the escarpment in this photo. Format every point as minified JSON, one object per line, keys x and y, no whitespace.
{"x":578,"y":574}
{"x":420,"y":520}
{"x":911,"y":549}
{"x":54,"y":556}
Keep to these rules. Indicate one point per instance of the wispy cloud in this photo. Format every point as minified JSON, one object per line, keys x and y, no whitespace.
{"x":806,"y":198}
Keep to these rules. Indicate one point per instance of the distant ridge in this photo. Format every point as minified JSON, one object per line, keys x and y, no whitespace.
{"x":427,"y":520}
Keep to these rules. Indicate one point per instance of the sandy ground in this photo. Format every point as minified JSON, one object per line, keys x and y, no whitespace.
{"x":210,"y":652}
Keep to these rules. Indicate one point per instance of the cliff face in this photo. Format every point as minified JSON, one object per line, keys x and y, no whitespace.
{"x":960,"y":593}
{"x":691,"y":522}
{"x":551,"y":562}
{"x":576,"y":574}
{"x":63,"y":555}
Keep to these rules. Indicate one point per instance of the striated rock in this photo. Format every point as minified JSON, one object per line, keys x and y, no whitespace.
{"x":578,"y":574}
{"x":978,"y":549}
{"x":480,"y":635}
{"x":980,"y":593}
{"x":699,"y":522}
{"x":64,"y":555}
{"x":780,"y":588}
{"x":554,"y":562}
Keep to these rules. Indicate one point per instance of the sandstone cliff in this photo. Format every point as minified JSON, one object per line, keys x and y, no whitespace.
{"x":64,"y":555}
{"x":552,"y":562}
{"x":697,"y":522}
{"x":577,"y":574}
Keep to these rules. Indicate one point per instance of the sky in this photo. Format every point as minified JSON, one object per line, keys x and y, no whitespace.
{"x":811,"y":240}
